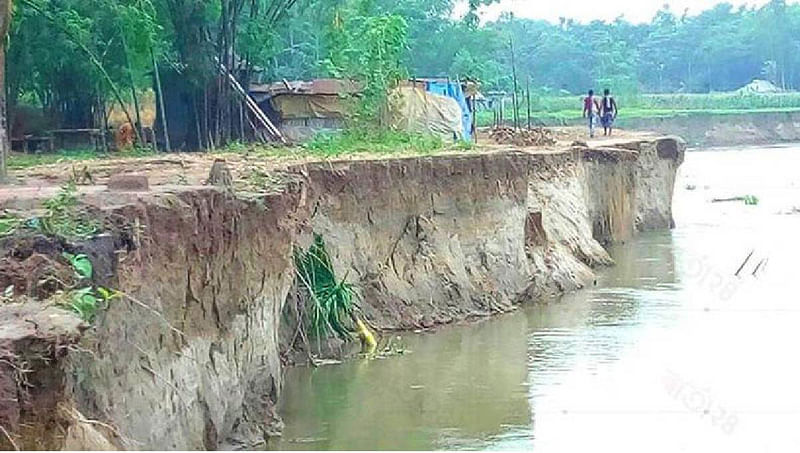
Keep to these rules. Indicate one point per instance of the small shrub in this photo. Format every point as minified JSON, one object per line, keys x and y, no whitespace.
{"x":85,"y":302}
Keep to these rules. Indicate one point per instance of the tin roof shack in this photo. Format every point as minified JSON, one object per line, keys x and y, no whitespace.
{"x":300,"y":109}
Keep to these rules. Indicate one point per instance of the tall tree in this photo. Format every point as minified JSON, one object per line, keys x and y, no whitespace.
{"x":5,"y":19}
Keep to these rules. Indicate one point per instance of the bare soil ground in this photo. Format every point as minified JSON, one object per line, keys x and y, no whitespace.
{"x":251,"y":170}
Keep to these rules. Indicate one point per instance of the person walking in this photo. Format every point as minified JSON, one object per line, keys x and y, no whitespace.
{"x":590,"y":110}
{"x":608,"y":112}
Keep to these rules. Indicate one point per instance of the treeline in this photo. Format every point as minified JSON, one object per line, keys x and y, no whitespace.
{"x":78,"y":59}
{"x":720,"y":49}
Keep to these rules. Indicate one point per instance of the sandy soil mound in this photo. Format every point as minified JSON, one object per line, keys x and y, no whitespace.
{"x":523,"y":137}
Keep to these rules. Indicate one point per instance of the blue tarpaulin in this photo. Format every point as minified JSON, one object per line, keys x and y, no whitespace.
{"x":453,"y":90}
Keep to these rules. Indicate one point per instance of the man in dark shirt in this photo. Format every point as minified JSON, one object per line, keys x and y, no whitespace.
{"x":608,"y":112}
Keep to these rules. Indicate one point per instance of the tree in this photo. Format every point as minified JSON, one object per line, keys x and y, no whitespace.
{"x":368,"y":48}
{"x":75,"y":58}
{"x":5,"y":19}
{"x":201,"y":39}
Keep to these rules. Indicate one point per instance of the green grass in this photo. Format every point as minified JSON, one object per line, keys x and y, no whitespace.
{"x":9,"y":224}
{"x":676,"y":101}
{"x":328,"y":300}
{"x":324,"y":145}
{"x":18,"y":161}
{"x":64,"y":217}
{"x":355,"y":142}
{"x":372,"y":142}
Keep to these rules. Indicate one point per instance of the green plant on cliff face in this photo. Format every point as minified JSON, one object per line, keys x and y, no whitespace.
{"x":329,"y":300}
{"x":81,"y":264}
{"x":86,"y":301}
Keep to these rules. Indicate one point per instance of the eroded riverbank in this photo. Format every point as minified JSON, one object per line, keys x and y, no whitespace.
{"x":670,"y":351}
{"x":189,"y":357}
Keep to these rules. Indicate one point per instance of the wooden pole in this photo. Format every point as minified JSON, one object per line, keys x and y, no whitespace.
{"x":528,"y":95}
{"x":162,"y":109}
{"x":198,"y":131}
{"x":138,"y":126}
{"x":206,"y":134}
{"x":254,"y":108}
{"x":474,"y":119}
{"x":241,"y":121}
{"x":5,"y":19}
{"x":514,"y":75}
{"x":101,"y":106}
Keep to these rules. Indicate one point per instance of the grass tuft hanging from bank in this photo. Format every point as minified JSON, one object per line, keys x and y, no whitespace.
{"x":330,"y":302}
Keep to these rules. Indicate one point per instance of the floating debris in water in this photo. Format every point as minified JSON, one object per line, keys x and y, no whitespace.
{"x":750,"y":200}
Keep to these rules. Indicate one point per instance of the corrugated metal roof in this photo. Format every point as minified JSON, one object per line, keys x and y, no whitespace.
{"x":310,"y":87}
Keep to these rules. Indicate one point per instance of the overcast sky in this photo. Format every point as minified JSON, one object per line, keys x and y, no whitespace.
{"x":588,"y":10}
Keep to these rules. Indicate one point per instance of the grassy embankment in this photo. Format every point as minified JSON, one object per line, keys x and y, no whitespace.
{"x":567,"y":109}
{"x":350,"y":142}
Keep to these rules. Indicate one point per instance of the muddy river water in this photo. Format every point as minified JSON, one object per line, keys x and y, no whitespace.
{"x":669,"y":352}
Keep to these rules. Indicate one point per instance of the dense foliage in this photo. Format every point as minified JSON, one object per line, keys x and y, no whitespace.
{"x":720,"y":49}
{"x":76,"y":59}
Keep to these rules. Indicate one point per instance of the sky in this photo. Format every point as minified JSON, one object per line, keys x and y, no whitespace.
{"x":587,"y":10}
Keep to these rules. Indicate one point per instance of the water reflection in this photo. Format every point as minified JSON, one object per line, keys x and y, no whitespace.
{"x":458,"y":388}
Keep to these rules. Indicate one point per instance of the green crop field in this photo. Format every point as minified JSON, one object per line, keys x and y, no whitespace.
{"x":567,"y":109}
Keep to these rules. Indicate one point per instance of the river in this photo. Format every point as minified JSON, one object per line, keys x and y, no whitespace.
{"x":668,"y":352}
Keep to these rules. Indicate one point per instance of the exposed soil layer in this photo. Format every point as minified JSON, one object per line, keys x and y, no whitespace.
{"x":189,"y":356}
{"x":34,"y":341}
{"x":725,"y":130}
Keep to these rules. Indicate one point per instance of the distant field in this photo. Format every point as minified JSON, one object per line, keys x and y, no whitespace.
{"x":564,"y":109}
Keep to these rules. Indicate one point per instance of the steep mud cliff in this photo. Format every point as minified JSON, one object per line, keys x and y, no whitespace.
{"x":742,"y":129}
{"x":429,"y":240}
{"x":188,"y":357}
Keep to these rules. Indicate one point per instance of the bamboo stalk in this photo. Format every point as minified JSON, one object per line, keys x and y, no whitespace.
{"x":138,"y":126}
{"x":162,"y":108}
{"x":5,"y":145}
{"x":92,"y":57}
{"x":528,"y":95}
{"x":254,"y":108}
{"x":514,"y":76}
